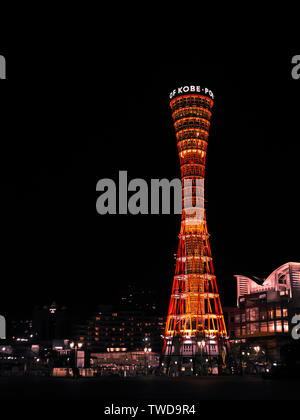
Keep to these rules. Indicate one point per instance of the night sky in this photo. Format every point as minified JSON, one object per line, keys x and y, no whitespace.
{"x":71,"y":115}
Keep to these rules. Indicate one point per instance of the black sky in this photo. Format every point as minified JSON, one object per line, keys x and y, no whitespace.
{"x":70,"y":118}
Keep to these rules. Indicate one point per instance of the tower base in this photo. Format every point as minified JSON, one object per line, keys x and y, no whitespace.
{"x":187,"y":356}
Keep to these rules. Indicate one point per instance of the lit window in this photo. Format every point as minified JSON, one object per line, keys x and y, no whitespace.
{"x":263,"y":327}
{"x":271,"y":326}
{"x":254,"y":328}
{"x":254,"y":314}
{"x":237,"y":332}
{"x":263,"y":315}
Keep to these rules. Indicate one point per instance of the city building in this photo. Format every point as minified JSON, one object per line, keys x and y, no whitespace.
{"x":34,"y":347}
{"x":120,"y":329}
{"x":20,"y":330}
{"x":195,"y":333}
{"x":135,"y":297}
{"x":265,"y":308}
{"x":51,"y":322}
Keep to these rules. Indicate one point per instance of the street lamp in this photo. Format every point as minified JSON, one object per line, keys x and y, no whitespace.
{"x":75,"y":346}
{"x":147,"y":350}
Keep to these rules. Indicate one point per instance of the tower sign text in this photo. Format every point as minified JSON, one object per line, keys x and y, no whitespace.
{"x":190,"y":89}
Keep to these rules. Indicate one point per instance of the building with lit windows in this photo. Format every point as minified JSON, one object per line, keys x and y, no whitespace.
{"x":125,"y":363}
{"x":265,"y":308}
{"x":115,"y":329}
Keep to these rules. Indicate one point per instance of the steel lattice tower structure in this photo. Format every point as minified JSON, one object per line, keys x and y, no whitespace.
{"x":195,"y":333}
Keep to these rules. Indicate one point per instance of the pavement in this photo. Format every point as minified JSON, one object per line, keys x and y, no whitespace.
{"x":149,"y":388}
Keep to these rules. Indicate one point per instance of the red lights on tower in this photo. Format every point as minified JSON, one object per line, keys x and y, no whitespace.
{"x":195,"y":329}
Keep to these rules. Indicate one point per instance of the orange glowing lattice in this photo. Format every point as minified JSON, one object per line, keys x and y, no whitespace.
{"x":195,"y":309}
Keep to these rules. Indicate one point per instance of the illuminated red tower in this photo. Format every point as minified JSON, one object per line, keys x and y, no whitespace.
{"x":195,"y":335}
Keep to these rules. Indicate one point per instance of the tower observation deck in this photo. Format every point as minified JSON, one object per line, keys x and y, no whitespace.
{"x":195,"y":328}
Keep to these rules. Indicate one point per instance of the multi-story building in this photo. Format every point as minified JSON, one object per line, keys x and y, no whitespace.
{"x":20,"y":330}
{"x":51,"y":322}
{"x":120,"y":329}
{"x":265,"y":308}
